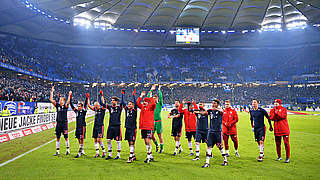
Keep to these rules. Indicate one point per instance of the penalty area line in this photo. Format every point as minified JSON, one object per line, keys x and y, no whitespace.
{"x":21,"y":155}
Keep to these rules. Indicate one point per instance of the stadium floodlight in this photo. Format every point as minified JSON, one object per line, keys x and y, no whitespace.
{"x":163,"y":31}
{"x":209,"y":31}
{"x":128,"y":29}
{"x":136,"y":30}
{"x":172,"y":31}
{"x":143,"y":30}
{"x":223,"y":32}
{"x":244,"y":31}
{"x":121,"y":29}
{"x":231,"y":31}
{"x":151,"y":30}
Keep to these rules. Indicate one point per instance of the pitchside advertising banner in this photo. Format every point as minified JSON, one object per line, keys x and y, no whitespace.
{"x":18,"y":107}
{"x":12,"y":123}
{"x":22,"y":108}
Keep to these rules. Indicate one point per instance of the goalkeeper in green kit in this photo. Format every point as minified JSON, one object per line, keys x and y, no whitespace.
{"x":157,"y":118}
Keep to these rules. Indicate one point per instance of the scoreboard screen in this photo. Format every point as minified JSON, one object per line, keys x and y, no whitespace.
{"x":187,"y":36}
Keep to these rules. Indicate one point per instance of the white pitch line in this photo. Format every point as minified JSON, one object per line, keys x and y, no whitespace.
{"x":306,"y":133}
{"x":21,"y":155}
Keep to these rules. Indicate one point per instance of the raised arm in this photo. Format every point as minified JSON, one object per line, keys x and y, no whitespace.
{"x":122,"y":103}
{"x":152,"y":89}
{"x":160,"y":96}
{"x":69,"y":98}
{"x":72,"y":106}
{"x":51,"y":97}
{"x":153,"y":103}
{"x":91,"y":107}
{"x":194,"y":105}
{"x":101,"y":100}
{"x":86,"y":101}
{"x":134,"y":99}
{"x":143,"y":93}
{"x":181,"y":107}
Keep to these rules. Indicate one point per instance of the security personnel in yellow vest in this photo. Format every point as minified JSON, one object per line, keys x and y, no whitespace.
{"x":36,"y":110}
{"x":46,"y":110}
{"x":5,"y":112}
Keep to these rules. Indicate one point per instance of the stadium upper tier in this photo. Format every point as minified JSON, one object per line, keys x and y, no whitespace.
{"x":150,"y":22}
{"x":143,"y":64}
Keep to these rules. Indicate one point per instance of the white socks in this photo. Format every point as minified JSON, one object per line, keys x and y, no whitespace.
{"x":67,"y":144}
{"x":118,"y":148}
{"x":102,"y":146}
{"x":109,"y":147}
{"x":58,"y":146}
{"x":224,"y":154}
{"x":209,"y":151}
{"x":80,"y":148}
{"x":261,"y":149}
{"x":96,"y":146}
{"x":177,"y":146}
{"x":149,"y":154}
{"x":131,"y":151}
{"x":197,"y":148}
{"x":190,"y":146}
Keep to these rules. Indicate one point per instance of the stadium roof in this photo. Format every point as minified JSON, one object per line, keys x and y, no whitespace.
{"x":53,"y":19}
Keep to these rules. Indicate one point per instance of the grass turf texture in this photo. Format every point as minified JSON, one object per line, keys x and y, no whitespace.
{"x":41,"y":164}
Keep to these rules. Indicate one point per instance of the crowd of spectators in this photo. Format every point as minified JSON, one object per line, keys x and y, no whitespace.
{"x":143,"y":64}
{"x":23,"y":88}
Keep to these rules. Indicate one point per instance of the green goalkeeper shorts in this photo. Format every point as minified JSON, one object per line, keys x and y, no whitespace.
{"x":157,"y":127}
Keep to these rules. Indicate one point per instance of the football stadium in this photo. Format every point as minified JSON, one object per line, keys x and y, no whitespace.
{"x":159,"y":89}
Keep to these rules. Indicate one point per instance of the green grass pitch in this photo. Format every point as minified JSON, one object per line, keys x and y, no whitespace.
{"x":41,"y":164}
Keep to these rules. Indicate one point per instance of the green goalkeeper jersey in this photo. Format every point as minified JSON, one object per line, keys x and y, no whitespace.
{"x":157,"y":111}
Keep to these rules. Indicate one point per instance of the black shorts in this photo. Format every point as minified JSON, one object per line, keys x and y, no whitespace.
{"x":176,"y":132}
{"x":190,"y":134}
{"x":61,"y":128}
{"x":114,"y":132}
{"x":98,"y":131}
{"x":201,"y":136}
{"x":146,"y":134}
{"x":81,"y":132}
{"x":259,"y":133}
{"x":214,"y":138}
{"x":130,"y":135}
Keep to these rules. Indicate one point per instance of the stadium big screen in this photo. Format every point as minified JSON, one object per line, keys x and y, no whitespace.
{"x":187,"y":36}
